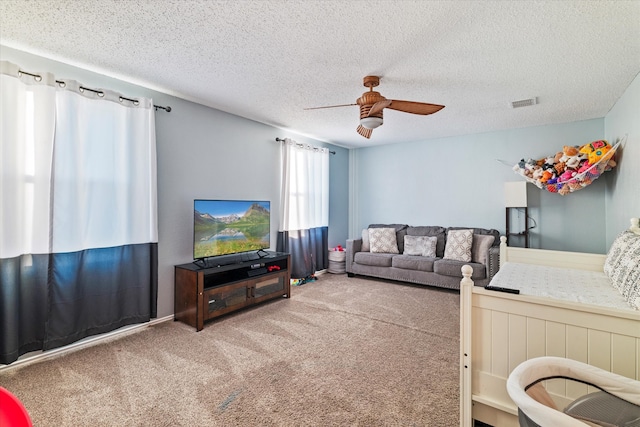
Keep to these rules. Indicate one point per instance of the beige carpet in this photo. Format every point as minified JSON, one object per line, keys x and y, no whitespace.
{"x":341,"y":352}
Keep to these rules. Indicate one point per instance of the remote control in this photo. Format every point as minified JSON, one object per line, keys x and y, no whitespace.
{"x":499,"y":289}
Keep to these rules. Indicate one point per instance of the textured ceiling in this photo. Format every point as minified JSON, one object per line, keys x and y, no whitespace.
{"x":268,"y":60}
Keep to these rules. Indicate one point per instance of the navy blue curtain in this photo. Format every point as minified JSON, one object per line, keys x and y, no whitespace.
{"x":308,"y":249}
{"x":48,"y":301}
{"x":24,"y":301}
{"x":109,"y":283}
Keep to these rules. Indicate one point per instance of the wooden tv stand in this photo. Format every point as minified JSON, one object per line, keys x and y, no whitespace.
{"x":204,"y":293}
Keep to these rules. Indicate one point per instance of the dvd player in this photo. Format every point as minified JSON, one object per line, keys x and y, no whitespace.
{"x":256,"y":272}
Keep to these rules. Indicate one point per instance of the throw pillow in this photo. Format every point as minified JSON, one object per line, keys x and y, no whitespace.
{"x":365,"y":240}
{"x":383,"y":240}
{"x":624,"y":269}
{"x":480,"y":247}
{"x":427,"y":230}
{"x":420,"y":245}
{"x":458,"y":246}
{"x":619,"y":246}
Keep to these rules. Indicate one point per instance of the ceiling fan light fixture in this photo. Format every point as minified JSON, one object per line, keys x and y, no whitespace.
{"x":370,"y":122}
{"x":372,"y":104}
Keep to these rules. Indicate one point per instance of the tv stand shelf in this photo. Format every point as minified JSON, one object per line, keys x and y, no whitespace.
{"x":204,"y":293}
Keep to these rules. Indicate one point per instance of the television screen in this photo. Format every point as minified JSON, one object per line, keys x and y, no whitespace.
{"x":222,"y":227}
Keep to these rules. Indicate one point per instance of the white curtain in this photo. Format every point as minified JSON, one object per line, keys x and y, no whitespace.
{"x":78,"y":253}
{"x":105,"y":172}
{"x":304,"y":211}
{"x":27,"y":130}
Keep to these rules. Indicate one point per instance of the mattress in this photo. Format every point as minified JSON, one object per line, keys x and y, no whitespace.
{"x":587,"y":287}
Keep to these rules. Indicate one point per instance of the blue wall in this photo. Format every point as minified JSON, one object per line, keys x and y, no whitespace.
{"x":459,"y":181}
{"x":623,"y":190}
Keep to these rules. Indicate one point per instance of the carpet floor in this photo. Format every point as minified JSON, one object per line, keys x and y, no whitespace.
{"x":340,"y":352}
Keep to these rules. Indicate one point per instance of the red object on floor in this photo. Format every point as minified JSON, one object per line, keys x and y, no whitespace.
{"x":12,"y":411}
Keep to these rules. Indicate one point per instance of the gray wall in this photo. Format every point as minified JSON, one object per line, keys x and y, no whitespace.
{"x":205,"y":153}
{"x":623,"y":190}
{"x":459,"y":181}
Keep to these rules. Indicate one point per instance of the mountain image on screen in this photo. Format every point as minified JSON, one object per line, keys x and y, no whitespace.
{"x":231,"y":232}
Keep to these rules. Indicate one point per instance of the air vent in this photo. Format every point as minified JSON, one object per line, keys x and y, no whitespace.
{"x":524,"y":103}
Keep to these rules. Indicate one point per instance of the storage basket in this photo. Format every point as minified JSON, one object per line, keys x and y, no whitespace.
{"x":337,"y":262}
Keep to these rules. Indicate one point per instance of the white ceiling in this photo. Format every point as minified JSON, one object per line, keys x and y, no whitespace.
{"x":268,"y":60}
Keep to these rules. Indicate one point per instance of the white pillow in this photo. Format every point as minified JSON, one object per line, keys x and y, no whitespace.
{"x":383,"y":240}
{"x":622,"y":267}
{"x":458,"y":246}
{"x":619,"y":246}
{"x":420,"y":245}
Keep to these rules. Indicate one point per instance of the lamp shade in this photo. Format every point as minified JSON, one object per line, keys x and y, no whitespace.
{"x":370,"y":122}
{"x":515,"y":194}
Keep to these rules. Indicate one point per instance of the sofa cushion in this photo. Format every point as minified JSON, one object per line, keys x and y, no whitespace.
{"x":413,"y":262}
{"x":374,"y":259}
{"x":400,"y":239}
{"x":458,"y":245}
{"x":449,"y":267}
{"x":480,"y":247}
{"x":420,"y":245}
{"x":401,"y":231}
{"x":428,"y":230}
{"x":365,"y":240}
{"x":383,"y":240}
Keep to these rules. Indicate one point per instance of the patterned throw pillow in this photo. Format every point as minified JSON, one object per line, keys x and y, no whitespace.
{"x":420,"y":245}
{"x":458,"y":246}
{"x":619,"y":246}
{"x":623,"y":268}
{"x":383,"y":240}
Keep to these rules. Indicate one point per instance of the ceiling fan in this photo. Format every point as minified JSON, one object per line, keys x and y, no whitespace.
{"x":372,"y":103}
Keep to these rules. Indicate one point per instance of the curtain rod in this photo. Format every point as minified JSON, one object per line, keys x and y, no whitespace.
{"x":301,"y":145}
{"x":38,"y":77}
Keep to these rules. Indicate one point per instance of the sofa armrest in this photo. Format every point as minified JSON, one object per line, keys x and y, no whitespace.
{"x":353,"y":246}
{"x":493,"y":261}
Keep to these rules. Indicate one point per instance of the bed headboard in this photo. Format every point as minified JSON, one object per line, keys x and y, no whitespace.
{"x":580,"y":260}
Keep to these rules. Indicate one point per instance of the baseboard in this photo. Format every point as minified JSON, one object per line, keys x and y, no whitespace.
{"x":40,"y":356}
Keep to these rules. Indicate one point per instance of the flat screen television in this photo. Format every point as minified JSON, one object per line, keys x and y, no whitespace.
{"x":224,"y":227}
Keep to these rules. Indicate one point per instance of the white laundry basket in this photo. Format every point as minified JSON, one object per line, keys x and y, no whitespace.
{"x":617,"y":403}
{"x":337,"y":262}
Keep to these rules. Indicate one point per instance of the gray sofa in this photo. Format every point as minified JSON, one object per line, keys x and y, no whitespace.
{"x":425,"y":270}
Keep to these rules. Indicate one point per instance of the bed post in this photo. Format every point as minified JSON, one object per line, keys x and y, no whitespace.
{"x":503,"y":250}
{"x":466,"y":290}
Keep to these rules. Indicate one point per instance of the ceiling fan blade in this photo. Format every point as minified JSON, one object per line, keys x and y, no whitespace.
{"x":379,"y":106}
{"x":364,"y":131}
{"x":330,"y":106}
{"x":415,"y":107}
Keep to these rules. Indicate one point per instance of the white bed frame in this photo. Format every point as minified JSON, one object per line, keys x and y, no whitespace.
{"x":499,"y":330}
